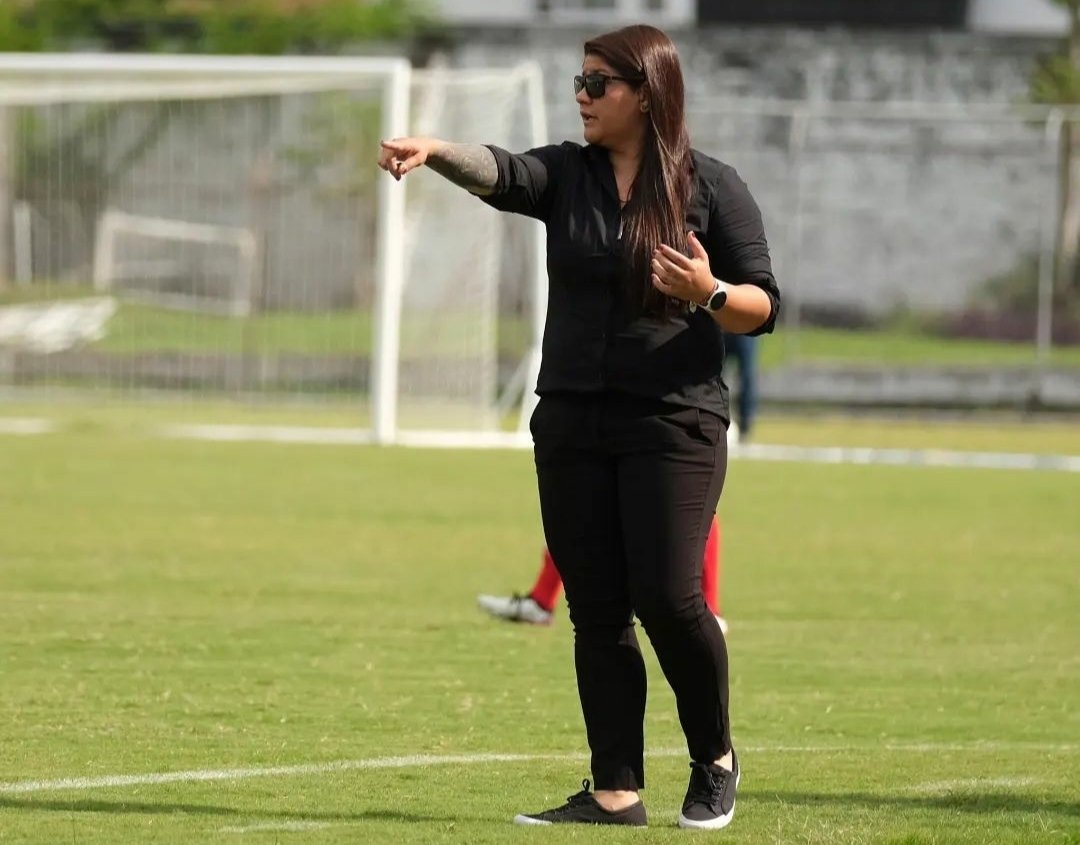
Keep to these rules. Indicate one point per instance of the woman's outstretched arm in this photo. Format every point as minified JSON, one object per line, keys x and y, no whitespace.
{"x":470,"y":166}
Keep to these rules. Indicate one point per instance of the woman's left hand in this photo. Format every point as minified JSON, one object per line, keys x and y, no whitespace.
{"x":689,"y":279}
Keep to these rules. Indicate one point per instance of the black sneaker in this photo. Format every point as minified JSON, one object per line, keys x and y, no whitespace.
{"x":583,"y":809}
{"x":710,"y":797}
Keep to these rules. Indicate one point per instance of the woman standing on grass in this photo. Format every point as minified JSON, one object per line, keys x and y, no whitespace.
{"x":653,"y":249}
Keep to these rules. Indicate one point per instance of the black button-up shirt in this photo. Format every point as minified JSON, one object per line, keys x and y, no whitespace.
{"x":591,"y":341}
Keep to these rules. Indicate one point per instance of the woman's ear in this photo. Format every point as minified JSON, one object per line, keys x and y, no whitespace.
{"x":643,"y":98}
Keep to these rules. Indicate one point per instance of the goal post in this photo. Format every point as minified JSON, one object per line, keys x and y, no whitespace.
{"x":247,"y":188}
{"x":390,"y":271}
{"x":463,"y":262}
{"x":223,"y":290}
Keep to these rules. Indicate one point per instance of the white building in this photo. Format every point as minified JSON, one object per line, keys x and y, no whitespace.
{"x":1005,"y":17}
{"x":1018,"y":17}
{"x":524,"y":12}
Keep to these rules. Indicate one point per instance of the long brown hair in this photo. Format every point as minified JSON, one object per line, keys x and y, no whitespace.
{"x":656,"y":212}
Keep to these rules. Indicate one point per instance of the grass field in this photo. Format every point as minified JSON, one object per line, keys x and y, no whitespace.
{"x":142,"y":328}
{"x":139,"y":329}
{"x":905,"y":650}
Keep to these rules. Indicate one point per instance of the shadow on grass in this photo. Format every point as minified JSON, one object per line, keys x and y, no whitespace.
{"x":967,"y":802}
{"x":146,"y":808}
{"x":997,"y":802}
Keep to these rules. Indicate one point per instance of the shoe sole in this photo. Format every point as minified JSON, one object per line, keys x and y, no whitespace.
{"x":529,"y":820}
{"x":712,"y":824}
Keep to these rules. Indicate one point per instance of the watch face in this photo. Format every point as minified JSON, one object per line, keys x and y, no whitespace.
{"x":718,"y":300}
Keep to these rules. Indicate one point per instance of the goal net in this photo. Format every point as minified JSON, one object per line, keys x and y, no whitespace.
{"x":234,"y":209}
{"x":473,"y":278}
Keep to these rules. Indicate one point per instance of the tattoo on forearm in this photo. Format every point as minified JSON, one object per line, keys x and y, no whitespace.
{"x":471,"y":166}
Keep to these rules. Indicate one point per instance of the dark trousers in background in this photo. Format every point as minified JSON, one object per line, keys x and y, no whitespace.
{"x":743,"y":351}
{"x":628,"y":489}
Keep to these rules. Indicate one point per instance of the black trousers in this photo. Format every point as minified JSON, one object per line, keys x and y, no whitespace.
{"x":628,"y":488}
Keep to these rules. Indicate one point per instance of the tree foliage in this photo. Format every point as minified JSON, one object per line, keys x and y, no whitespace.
{"x":1056,"y":81}
{"x":1057,"y":77}
{"x":205,"y":26}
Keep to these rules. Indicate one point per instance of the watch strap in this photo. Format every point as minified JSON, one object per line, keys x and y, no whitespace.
{"x":708,"y":299}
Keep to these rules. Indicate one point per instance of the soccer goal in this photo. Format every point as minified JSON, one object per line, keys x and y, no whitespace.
{"x":234,"y":207}
{"x":176,"y":263}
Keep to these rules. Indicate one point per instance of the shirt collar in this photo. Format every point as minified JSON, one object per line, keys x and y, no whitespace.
{"x":600,"y":163}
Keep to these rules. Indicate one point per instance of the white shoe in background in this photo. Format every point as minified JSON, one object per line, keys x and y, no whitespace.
{"x":515,"y":609}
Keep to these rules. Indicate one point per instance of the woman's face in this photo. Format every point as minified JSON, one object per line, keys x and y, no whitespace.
{"x":616,"y":118}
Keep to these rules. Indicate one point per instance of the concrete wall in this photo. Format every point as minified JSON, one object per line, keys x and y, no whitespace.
{"x":1035,"y":17}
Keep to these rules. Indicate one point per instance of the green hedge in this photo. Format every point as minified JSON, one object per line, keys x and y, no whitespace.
{"x":207,"y":26}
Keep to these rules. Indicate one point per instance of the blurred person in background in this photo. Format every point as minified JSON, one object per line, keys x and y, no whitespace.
{"x":653,"y":249}
{"x":743,"y":349}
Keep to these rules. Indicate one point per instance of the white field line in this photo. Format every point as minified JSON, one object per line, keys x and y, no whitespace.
{"x":25,"y":425}
{"x":908,"y":457}
{"x":751,"y":452}
{"x":270,"y":434}
{"x":421,"y":760}
{"x":197,"y":775}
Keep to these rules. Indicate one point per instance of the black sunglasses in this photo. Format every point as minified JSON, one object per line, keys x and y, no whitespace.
{"x":595,"y":84}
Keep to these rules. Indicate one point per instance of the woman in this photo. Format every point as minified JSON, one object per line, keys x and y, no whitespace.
{"x":629,"y":432}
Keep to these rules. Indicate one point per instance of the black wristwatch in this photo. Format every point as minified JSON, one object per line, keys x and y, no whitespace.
{"x":717,"y":299}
